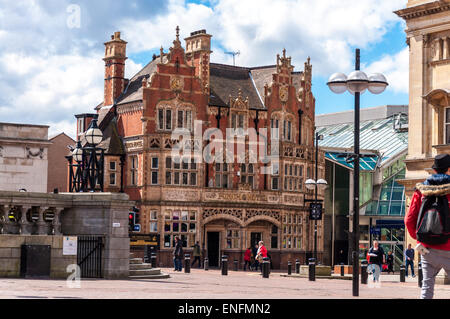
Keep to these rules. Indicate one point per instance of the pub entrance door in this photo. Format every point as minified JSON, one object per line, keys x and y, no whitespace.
{"x":213,"y":242}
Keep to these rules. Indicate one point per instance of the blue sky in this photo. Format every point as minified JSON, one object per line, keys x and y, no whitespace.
{"x":51,"y":69}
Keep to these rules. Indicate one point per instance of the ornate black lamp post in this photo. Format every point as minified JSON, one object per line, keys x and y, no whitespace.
{"x":357,"y":83}
{"x":88,"y":172}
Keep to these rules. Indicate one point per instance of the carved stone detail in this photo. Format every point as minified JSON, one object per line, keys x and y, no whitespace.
{"x":257,"y":212}
{"x":209,"y":212}
{"x":31,"y":154}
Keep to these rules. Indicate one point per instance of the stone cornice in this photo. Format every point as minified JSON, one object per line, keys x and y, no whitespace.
{"x":424,"y":9}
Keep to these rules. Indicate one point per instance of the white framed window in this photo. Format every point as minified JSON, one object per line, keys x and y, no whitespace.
{"x":80,"y":126}
{"x":153,"y":221}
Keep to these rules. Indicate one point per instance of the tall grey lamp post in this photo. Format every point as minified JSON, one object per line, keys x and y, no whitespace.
{"x":357,"y":83}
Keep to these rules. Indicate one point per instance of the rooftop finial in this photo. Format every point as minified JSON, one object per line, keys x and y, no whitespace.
{"x":178,"y":33}
{"x":284,"y":53}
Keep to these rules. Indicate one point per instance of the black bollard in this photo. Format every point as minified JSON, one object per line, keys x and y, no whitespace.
{"x":402,"y":273}
{"x":206,"y":264}
{"x":297,"y":266}
{"x":266,"y":266}
{"x":312,"y":269}
{"x":342,"y":270}
{"x":153,"y":259}
{"x":289,"y":268}
{"x":364,"y":274}
{"x":224,"y":265}
{"x":236,"y":265}
{"x":187,"y":264}
{"x":420,"y":275}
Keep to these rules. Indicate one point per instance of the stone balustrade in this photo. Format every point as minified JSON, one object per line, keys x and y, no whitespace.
{"x":32,"y":213}
{"x":35,"y":218}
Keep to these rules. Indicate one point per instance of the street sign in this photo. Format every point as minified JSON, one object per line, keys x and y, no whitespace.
{"x":137,"y":228}
{"x":375,"y":231}
{"x":315,"y":211}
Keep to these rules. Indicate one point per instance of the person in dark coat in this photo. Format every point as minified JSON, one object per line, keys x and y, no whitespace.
{"x":178,"y":254}
{"x":376,"y":259}
{"x":390,"y":262}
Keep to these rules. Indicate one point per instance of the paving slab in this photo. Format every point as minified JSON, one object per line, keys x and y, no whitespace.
{"x":200,"y":284}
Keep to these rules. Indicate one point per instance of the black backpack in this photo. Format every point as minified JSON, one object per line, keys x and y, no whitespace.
{"x":433,"y":224}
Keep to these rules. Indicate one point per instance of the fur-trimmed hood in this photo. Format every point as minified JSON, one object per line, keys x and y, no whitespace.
{"x":437,"y":185}
{"x":436,"y":190}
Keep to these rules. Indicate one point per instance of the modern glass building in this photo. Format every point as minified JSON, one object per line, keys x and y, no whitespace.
{"x":384,"y":144}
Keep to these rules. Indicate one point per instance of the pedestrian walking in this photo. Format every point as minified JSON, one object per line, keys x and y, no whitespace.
{"x":390,"y":262}
{"x":261,"y":253}
{"x":178,"y":254}
{"x":248,"y":259}
{"x":197,"y":253}
{"x":409,"y":260}
{"x":376,"y":259}
{"x":428,"y":221}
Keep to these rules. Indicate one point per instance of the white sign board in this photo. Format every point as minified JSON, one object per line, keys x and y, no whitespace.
{"x":116,"y":225}
{"x":70,"y":246}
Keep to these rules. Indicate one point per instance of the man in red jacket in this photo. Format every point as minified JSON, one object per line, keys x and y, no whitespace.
{"x":434,"y":257}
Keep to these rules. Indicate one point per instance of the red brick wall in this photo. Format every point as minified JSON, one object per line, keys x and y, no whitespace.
{"x":57,"y":163}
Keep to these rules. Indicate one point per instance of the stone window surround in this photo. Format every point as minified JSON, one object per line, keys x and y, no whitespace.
{"x":180,"y":169}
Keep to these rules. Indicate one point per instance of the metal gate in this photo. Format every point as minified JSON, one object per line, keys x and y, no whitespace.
{"x":89,"y":256}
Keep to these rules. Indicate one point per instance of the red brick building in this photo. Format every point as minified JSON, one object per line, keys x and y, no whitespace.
{"x":229,"y":206}
{"x":57,"y":171}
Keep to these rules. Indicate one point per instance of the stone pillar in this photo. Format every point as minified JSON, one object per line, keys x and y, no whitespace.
{"x":442,"y":278}
{"x":56,"y":223}
{"x":25,"y":225}
{"x":42,"y":225}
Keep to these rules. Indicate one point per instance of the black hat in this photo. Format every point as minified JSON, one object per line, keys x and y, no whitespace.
{"x":441,"y":161}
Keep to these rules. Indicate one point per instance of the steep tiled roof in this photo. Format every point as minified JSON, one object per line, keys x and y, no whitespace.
{"x":227,"y":80}
{"x":133,"y":92}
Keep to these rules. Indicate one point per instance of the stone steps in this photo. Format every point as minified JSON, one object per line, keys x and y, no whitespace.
{"x":145,"y":272}
{"x":136,"y":261}
{"x":161,"y":276}
{"x":140,"y":266}
{"x":141,"y":270}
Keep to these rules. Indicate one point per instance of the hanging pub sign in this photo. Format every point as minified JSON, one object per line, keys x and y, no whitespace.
{"x":315,"y":211}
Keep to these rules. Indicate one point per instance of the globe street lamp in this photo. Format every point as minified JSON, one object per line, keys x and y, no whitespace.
{"x":90,"y":162}
{"x":311,"y":184}
{"x":357,"y":83}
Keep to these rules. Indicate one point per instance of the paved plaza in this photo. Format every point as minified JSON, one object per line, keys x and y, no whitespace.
{"x":212,"y":285}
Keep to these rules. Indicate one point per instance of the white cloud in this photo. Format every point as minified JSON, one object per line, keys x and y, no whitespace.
{"x":325,"y":30}
{"x":49,"y":72}
{"x":395,"y":68}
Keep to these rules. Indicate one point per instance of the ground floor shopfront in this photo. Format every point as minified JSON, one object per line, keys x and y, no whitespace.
{"x":230,"y":230}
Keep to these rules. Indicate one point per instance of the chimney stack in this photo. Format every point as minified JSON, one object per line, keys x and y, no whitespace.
{"x":115,"y":57}
{"x":198,"y":53}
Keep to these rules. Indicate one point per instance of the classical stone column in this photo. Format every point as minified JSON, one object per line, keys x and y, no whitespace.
{"x":25,"y":225}
{"x":42,"y":225}
{"x":56,"y":223}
